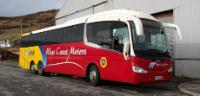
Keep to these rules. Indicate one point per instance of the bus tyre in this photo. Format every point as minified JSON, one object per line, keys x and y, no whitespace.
{"x":94,"y":76}
{"x":41,"y":71}
{"x":32,"y":69}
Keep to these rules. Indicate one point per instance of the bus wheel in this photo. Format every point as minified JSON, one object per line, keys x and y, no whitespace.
{"x":32,"y":68}
{"x":41,"y":71}
{"x":94,"y":76}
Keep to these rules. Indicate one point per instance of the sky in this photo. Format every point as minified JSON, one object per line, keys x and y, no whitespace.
{"x":9,"y":8}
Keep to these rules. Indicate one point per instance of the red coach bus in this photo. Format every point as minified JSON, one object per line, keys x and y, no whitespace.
{"x":119,"y":45}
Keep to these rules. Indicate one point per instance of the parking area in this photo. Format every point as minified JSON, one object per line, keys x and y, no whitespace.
{"x":17,"y":82}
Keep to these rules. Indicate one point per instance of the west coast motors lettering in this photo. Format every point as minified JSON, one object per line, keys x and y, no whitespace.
{"x":71,"y":51}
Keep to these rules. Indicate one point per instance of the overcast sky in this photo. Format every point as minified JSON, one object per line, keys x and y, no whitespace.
{"x":23,"y":7}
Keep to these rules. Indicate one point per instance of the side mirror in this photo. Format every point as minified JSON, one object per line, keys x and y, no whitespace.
{"x":169,"y":25}
{"x":126,"y":50}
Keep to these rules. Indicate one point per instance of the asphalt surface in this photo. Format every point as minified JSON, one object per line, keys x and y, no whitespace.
{"x":190,"y":87}
{"x":17,"y":82}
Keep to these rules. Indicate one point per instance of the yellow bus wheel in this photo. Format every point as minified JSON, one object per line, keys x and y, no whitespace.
{"x":32,"y":68}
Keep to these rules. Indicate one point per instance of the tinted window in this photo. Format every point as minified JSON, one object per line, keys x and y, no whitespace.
{"x":112,"y":35}
{"x":37,"y":39}
{"x":25,"y":41}
{"x":100,"y":33}
{"x":68,"y":34}
{"x":120,"y":35}
{"x":42,"y":37}
{"x":54,"y":36}
{"x":73,"y":33}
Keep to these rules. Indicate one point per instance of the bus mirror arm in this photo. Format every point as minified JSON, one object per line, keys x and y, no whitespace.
{"x":169,"y":25}
{"x":126,"y":49}
{"x":138,"y":26}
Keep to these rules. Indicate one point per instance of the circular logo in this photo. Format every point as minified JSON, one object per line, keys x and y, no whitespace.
{"x":103,"y":62}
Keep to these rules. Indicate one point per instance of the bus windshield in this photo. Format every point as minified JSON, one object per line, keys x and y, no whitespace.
{"x":153,"y":44}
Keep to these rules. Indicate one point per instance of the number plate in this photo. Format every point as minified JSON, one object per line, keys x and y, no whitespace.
{"x":158,"y":78}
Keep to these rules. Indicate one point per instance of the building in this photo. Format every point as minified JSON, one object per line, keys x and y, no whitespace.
{"x":184,"y":13}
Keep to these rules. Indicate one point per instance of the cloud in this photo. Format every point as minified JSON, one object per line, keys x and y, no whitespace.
{"x":23,"y":7}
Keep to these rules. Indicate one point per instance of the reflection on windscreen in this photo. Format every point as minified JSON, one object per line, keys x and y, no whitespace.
{"x":153,"y":43}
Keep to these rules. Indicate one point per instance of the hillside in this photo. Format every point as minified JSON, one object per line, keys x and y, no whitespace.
{"x":10,"y":27}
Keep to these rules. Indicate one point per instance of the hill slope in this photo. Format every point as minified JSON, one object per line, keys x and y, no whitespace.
{"x":10,"y":27}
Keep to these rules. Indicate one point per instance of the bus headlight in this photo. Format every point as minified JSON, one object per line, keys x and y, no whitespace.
{"x":138,"y":69}
{"x":170,"y":69}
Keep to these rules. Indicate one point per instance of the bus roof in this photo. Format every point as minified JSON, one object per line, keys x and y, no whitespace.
{"x":118,"y":13}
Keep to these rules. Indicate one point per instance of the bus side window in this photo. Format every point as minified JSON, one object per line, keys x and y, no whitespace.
{"x":38,"y":39}
{"x":100,"y":33}
{"x":54,"y":36}
{"x":73,"y":33}
{"x":25,"y":41}
{"x":120,"y":35}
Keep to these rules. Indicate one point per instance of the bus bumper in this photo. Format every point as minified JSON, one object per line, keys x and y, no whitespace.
{"x":151,"y":78}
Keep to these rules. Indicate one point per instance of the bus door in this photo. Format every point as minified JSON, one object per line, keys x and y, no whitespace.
{"x":110,"y":35}
{"x":118,"y":64}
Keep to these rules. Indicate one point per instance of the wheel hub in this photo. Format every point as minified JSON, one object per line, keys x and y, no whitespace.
{"x":92,"y":75}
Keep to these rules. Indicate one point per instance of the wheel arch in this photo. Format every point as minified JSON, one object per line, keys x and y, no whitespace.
{"x":40,"y":61}
{"x":31,"y":62}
